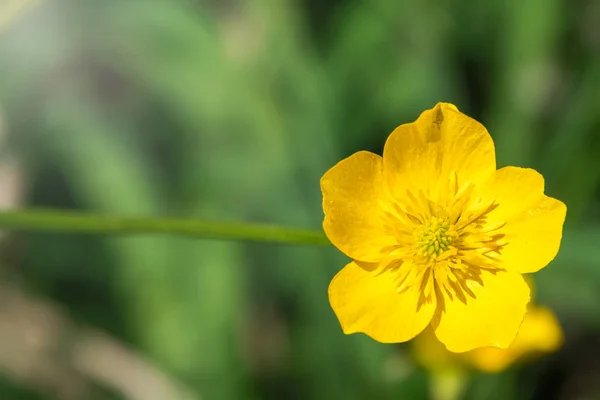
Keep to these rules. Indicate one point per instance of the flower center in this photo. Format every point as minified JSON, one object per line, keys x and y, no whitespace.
{"x":444,"y":242}
{"x":434,"y":238}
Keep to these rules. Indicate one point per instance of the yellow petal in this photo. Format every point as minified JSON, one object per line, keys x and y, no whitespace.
{"x":432,"y":354}
{"x":534,"y":221}
{"x":492,"y":359}
{"x":442,"y":142}
{"x":491,"y":318}
{"x":352,"y":194}
{"x":539,"y":333}
{"x":371,"y":304}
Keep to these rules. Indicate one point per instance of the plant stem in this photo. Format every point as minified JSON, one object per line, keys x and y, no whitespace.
{"x":75,"y":221}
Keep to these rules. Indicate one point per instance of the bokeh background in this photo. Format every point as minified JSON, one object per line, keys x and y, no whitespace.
{"x":232,"y":110}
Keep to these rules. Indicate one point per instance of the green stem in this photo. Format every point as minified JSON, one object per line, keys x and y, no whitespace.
{"x":74,"y":221}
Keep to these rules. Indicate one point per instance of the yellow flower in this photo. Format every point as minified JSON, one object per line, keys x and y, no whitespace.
{"x":540,"y":333}
{"x":438,"y":235}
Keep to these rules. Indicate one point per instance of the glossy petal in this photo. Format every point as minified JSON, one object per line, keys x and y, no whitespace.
{"x":441,"y":142}
{"x":492,"y":318}
{"x":534,"y":221}
{"x":352,"y":195}
{"x":370,"y":304}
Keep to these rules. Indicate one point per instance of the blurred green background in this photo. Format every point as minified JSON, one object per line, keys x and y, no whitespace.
{"x":232,"y":110}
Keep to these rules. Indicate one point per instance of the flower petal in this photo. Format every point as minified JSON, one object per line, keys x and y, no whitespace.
{"x":540,"y":331}
{"x":534,"y":221}
{"x":491,"y":318}
{"x":371,"y":304}
{"x":352,"y":194}
{"x":441,"y":142}
{"x":432,"y":354}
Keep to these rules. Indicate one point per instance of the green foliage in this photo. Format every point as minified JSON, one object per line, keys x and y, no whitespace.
{"x":232,"y":110}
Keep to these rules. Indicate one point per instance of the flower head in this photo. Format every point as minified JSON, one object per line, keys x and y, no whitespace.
{"x":540,"y":334}
{"x":438,"y":235}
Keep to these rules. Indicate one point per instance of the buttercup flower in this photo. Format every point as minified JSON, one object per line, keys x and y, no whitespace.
{"x":539,"y":334}
{"x":438,"y":236}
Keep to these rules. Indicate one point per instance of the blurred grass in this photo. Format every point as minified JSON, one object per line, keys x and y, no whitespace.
{"x":233,"y":110}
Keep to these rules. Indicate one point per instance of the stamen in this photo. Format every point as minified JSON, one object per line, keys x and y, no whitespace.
{"x":444,"y":241}
{"x":434,"y":238}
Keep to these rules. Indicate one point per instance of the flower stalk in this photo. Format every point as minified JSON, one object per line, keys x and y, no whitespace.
{"x":51,"y":220}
